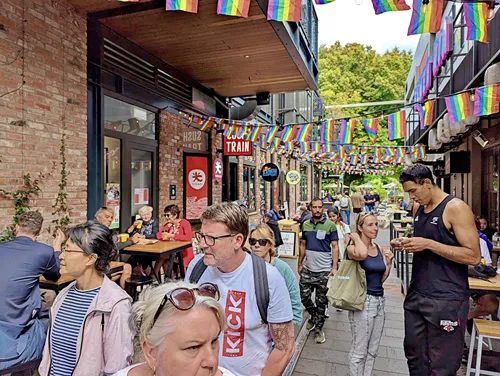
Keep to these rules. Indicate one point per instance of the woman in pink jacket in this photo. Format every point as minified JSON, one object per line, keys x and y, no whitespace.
{"x":89,"y":332}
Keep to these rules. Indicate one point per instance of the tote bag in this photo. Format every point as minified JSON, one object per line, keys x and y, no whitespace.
{"x":347,"y":288}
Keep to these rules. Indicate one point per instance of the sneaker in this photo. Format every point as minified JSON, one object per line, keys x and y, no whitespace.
{"x":465,"y":354}
{"x":319,"y":336}
{"x":310,"y":325}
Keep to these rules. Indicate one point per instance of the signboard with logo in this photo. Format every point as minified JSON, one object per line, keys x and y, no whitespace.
{"x":196,"y":186}
{"x":234,"y":146}
{"x":293,"y":177}
{"x":270,"y":172}
{"x":218,"y":170}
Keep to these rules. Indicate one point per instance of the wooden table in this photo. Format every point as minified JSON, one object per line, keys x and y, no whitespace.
{"x":161,"y":248}
{"x":495,"y":254}
{"x":493,"y":284}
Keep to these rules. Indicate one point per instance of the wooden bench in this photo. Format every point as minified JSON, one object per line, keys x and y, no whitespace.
{"x":482,"y":329}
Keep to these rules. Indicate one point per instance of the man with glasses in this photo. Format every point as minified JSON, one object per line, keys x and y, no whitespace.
{"x":246,"y":346}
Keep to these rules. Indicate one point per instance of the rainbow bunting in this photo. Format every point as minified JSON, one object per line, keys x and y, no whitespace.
{"x":288,"y":145}
{"x":420,"y":152}
{"x":390,"y":154}
{"x":347,"y":131}
{"x":304,"y":147}
{"x":262,"y":142}
{"x":304,"y":132}
{"x":400,"y":156}
{"x":328,"y":148}
{"x":316,"y":147}
{"x":371,"y":128}
{"x":271,"y":133}
{"x":476,"y":19}
{"x":238,"y":8}
{"x":382,"y":6}
{"x":255,"y":132}
{"x":426,"y":18}
{"x":355,"y":159}
{"x":328,"y":132}
{"x":206,"y":124}
{"x":366,"y":149}
{"x":342,"y":152}
{"x":458,"y":107}
{"x":363,"y":158}
{"x":396,"y":123}
{"x":378,"y":155}
{"x":288,"y":133}
{"x":190,"y":6}
{"x":419,"y":109}
{"x":284,"y":10}
{"x":244,"y":131}
{"x":429,"y":112}
{"x":275,"y":144}
{"x":486,"y":101}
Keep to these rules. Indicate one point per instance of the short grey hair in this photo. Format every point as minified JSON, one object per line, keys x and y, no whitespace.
{"x":102,"y":210}
{"x":146,"y":209}
{"x":231,"y":215}
{"x":144,"y":310}
{"x":30,"y":222}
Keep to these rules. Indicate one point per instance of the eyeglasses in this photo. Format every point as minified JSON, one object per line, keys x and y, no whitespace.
{"x":168,"y":215}
{"x":209,"y":239}
{"x":71,"y":251}
{"x":183,"y":298}
{"x":262,"y":242}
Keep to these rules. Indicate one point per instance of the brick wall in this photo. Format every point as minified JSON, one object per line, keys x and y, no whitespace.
{"x":54,"y":94}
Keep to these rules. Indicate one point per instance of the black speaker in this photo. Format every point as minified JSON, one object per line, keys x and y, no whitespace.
{"x":457,"y":162}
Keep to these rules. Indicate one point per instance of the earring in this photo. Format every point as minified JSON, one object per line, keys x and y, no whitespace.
{"x":154,"y":371}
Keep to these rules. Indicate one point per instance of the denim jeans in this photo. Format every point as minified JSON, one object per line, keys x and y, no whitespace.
{"x":346,"y":216}
{"x":366,"y":327}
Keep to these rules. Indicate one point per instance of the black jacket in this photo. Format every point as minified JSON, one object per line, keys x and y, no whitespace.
{"x":277,"y":233}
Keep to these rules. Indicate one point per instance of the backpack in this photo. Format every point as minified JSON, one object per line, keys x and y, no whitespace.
{"x":344,"y":203}
{"x":260,"y":282}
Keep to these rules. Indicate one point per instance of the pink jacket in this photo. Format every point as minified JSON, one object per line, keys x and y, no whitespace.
{"x":103,"y":350}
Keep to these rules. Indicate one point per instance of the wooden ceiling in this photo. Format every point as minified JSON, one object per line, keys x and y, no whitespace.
{"x":232,"y":55}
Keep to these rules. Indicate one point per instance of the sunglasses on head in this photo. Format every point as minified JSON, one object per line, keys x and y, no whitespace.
{"x":262,"y":242}
{"x":184,"y":298}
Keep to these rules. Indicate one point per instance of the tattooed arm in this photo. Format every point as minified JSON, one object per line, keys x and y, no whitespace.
{"x":284,"y":347}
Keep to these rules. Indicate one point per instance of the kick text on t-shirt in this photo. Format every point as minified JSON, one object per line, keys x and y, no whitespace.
{"x":234,"y":335}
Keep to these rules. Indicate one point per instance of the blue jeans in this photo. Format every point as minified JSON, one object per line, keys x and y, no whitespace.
{"x":346,"y":216}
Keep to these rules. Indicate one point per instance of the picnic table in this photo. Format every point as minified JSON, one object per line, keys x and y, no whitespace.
{"x":161,"y":248}
{"x":491,"y":285}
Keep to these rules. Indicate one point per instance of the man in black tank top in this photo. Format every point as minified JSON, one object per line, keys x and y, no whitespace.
{"x":445,"y":241}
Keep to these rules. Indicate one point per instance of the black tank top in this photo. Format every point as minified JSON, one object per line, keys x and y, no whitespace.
{"x":433,"y":275}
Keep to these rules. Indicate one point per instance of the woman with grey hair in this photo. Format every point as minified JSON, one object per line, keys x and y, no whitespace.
{"x":179,"y":325}
{"x":89,"y":332}
{"x":147,"y":226}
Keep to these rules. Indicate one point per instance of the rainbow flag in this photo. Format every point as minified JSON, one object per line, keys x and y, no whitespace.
{"x":271,"y":133}
{"x":429,"y":112}
{"x":323,"y":2}
{"x":328,"y":148}
{"x":382,"y":6}
{"x":396,"y":123}
{"x":288,"y":145}
{"x":244,"y":130}
{"x":426,"y":18}
{"x":262,"y":142}
{"x":190,"y":6}
{"x":327,"y":132}
{"x":419,"y":151}
{"x":347,"y":131}
{"x":355,"y":159}
{"x":288,"y":133}
{"x":304,"y":147}
{"x":400,"y":156}
{"x":476,"y":19}
{"x":206,"y":124}
{"x":275,"y":144}
{"x":316,"y":147}
{"x":363,"y":159}
{"x":371,"y":128}
{"x":255,"y":132}
{"x":284,"y":10}
{"x":458,"y":107}
{"x":419,"y":109}
{"x":304,"y":132}
{"x":366,"y":149}
{"x":390,"y":154}
{"x":238,"y":8}
{"x":342,"y":152}
{"x":487,"y":100}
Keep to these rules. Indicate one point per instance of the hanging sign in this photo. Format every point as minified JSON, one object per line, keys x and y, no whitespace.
{"x":270,"y":172}
{"x":196,"y":186}
{"x":218,"y":170}
{"x":293,"y":177}
{"x":234,"y":146}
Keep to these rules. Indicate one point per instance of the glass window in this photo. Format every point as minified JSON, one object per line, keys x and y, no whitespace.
{"x":112,"y":173}
{"x":195,"y":139}
{"x":491,"y":183}
{"x":303,"y":182}
{"x":123,"y":117}
{"x":142,"y":179}
{"x":249,"y":187}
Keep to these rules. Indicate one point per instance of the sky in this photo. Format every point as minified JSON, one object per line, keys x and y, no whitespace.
{"x":347,"y":22}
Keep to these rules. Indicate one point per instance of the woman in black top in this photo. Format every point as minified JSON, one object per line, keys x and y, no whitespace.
{"x":367,"y":325}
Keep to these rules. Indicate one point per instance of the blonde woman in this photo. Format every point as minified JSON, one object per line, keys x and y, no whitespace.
{"x":261,"y":242}
{"x":179,"y":326}
{"x":367,"y":325}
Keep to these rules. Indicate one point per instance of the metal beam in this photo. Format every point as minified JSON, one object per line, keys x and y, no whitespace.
{"x":127,"y":9}
{"x":367,"y":104}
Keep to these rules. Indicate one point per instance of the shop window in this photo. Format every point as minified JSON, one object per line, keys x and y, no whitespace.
{"x":249,"y":187}
{"x":124,"y":117}
{"x":112,"y":173}
{"x":491,"y":184}
{"x":195,"y":139}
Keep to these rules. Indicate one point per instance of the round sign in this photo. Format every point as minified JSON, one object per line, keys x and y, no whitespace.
{"x":196,"y":179}
{"x":270,"y":172}
{"x":218,"y":170}
{"x":293,"y":177}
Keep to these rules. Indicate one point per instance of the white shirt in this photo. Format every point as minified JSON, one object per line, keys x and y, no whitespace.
{"x":342,"y":230}
{"x":246,"y":343}
{"x":124,"y":372}
{"x":485,"y":252}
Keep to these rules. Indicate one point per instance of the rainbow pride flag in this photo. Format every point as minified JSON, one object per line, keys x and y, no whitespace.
{"x":328,"y":148}
{"x":271,"y":133}
{"x":371,"y":128}
{"x":288,"y":133}
{"x":399,"y":158}
{"x":396,"y":123}
{"x":327,"y":132}
{"x":355,"y":159}
{"x":347,"y":131}
{"x":262,"y":142}
{"x":206,"y":124}
{"x":426,"y":18}
{"x":238,"y":8}
{"x":382,"y":6}
{"x":419,"y":151}
{"x":390,"y":154}
{"x":342,"y":152}
{"x":487,"y":100}
{"x":429,"y":112}
{"x":190,"y":6}
{"x":316,"y":147}
{"x":304,"y":132}
{"x":476,"y":19}
{"x":284,"y":10}
{"x":364,"y":158}
{"x":366,"y":149}
{"x":304,"y":147}
{"x":419,"y":109}
{"x":255,"y":132}
{"x":458,"y":107}
{"x":244,"y":130}
{"x":275,"y":144}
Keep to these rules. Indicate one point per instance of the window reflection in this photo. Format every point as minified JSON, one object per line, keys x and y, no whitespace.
{"x":123,"y":117}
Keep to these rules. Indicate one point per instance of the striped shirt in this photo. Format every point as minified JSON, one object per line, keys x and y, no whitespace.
{"x":67,"y":325}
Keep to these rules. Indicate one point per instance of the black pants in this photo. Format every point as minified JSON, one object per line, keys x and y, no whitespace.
{"x":314,"y":282}
{"x":434,"y":335}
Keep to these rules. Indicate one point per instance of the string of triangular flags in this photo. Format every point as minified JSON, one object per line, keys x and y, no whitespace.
{"x":277,"y":10}
{"x":358,"y":170}
{"x":427,"y":15}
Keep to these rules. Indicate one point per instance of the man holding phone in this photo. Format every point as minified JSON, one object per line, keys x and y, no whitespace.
{"x":437,"y":304}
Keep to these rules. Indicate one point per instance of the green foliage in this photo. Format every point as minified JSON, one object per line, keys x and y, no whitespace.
{"x":21,"y":199}
{"x":60,"y":207}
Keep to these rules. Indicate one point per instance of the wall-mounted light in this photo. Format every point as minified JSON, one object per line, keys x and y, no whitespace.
{"x":480,"y":139}
{"x":473,"y":95}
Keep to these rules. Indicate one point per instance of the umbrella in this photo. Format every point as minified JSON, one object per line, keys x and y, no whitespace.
{"x":366,"y":185}
{"x":390,"y":186}
{"x":330,"y":186}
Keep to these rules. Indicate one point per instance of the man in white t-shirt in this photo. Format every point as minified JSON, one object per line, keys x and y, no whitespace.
{"x":246,"y":346}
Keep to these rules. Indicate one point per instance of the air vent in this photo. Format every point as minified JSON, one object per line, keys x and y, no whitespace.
{"x":173,"y":86}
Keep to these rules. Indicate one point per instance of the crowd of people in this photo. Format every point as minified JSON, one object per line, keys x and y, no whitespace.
{"x":235,"y":312}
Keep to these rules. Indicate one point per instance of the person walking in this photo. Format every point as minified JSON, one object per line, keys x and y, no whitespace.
{"x":369,"y":201}
{"x":357,"y":202}
{"x":318,"y":260}
{"x":345,"y":208}
{"x":445,"y":241}
{"x":343,"y":230}
{"x":367,"y":325}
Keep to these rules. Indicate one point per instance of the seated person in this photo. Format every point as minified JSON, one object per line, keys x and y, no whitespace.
{"x":149,"y":225}
{"x":482,"y":236}
{"x":23,"y":325}
{"x":485,"y":229}
{"x":402,"y":205}
{"x":275,"y":214}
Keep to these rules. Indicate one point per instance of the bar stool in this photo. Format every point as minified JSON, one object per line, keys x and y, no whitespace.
{"x":135,"y":284}
{"x":482,"y":329}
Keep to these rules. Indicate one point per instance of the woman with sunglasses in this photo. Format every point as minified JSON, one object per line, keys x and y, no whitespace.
{"x":89,"y":332}
{"x":179,"y":326}
{"x":176,"y":228}
{"x":261,"y":242}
